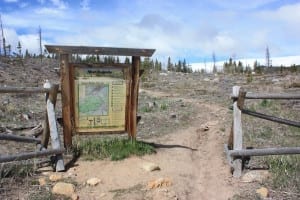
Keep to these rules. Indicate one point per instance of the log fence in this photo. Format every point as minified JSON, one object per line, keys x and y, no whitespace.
{"x":234,"y":149}
{"x":49,"y":130}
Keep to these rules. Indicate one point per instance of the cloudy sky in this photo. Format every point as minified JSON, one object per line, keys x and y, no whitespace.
{"x":190,"y":29}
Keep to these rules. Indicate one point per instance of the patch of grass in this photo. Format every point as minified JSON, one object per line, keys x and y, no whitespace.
{"x":23,"y":169}
{"x":115,"y":149}
{"x":146,"y":109}
{"x":120,"y":192}
{"x":286,"y":172}
{"x":164,"y":106}
{"x":266,"y":103}
{"x":46,"y":195}
{"x":266,"y":133}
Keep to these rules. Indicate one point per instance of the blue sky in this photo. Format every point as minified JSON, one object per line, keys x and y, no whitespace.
{"x":190,"y":29}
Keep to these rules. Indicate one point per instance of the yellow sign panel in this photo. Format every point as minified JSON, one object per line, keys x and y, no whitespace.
{"x":100,"y":101}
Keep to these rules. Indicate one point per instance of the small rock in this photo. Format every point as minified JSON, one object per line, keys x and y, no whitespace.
{"x":62,"y":188}
{"x":203,"y":128}
{"x":161,"y":182}
{"x":255,"y":176}
{"x":25,"y":117}
{"x":55,"y":177}
{"x":173,"y":115}
{"x":149,"y":167}
{"x":263,"y":192}
{"x":102,"y":195}
{"x":42,"y":181}
{"x":93,"y":181}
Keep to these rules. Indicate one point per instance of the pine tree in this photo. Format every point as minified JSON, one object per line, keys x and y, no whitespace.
{"x":19,"y":47}
{"x":169,"y":65}
{"x":27,"y":55}
{"x":240,"y":68}
{"x":184,"y":67}
{"x":127,"y":60}
{"x":179,"y":66}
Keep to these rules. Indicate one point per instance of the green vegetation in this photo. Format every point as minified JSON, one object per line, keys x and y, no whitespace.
{"x":259,"y":133}
{"x":164,"y":106}
{"x":22,"y":170}
{"x":266,"y":103}
{"x":286,"y":172}
{"x":115,"y":149}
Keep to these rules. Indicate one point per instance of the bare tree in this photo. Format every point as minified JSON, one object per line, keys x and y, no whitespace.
{"x":268,"y":62}
{"x":3,"y":38}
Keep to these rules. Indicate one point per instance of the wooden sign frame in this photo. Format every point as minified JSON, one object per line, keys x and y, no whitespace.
{"x":132,"y":77}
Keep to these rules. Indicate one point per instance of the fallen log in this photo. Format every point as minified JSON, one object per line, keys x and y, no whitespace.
{"x":18,"y":138}
{"x":25,"y":156}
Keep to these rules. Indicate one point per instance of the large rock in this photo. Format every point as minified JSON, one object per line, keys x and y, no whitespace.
{"x":149,"y":167}
{"x":255,"y":176}
{"x":93,"y":181}
{"x":262,"y":192}
{"x":55,"y":177}
{"x":62,"y":188}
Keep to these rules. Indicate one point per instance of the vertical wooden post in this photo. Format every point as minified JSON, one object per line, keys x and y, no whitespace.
{"x":134,"y":94}
{"x":237,"y":133}
{"x":55,"y":140}
{"x":66,"y":99}
{"x":46,"y":130}
{"x":128,"y":78}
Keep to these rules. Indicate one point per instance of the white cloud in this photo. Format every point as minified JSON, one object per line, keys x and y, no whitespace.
{"x":241,"y":5}
{"x":30,"y":42}
{"x":48,"y":12}
{"x":85,"y":4}
{"x":60,"y":4}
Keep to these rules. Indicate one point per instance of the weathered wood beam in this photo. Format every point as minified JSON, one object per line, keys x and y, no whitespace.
{"x":99,"y":50}
{"x":25,"y":156}
{"x":24,"y":90}
{"x":18,"y":138}
{"x":264,"y":152}
{"x":134,"y":95}
{"x":55,"y":140}
{"x":237,"y":132}
{"x":268,"y":96}
{"x":271,"y":118}
{"x":66,"y":99}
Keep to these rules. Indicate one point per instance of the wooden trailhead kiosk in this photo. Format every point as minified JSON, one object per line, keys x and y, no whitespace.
{"x":99,"y":98}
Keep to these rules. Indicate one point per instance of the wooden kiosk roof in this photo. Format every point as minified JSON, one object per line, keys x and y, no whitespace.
{"x":99,"y":50}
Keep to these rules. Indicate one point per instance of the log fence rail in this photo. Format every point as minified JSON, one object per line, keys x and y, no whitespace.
{"x":234,"y":149}
{"x":49,"y":129}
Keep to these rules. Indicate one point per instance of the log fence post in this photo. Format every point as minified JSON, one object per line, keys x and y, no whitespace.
{"x":55,"y":140}
{"x":237,"y":129}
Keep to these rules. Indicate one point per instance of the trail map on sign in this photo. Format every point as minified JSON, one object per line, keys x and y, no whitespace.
{"x":99,"y":101}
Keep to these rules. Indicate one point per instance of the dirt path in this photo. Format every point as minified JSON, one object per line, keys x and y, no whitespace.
{"x":192,"y":159}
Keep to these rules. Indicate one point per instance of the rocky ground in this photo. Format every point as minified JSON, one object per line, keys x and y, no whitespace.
{"x":186,"y":117}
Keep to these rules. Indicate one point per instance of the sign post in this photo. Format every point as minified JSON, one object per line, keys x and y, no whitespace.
{"x":99,"y":98}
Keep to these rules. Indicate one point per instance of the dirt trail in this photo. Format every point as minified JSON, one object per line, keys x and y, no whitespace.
{"x":192,"y":159}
